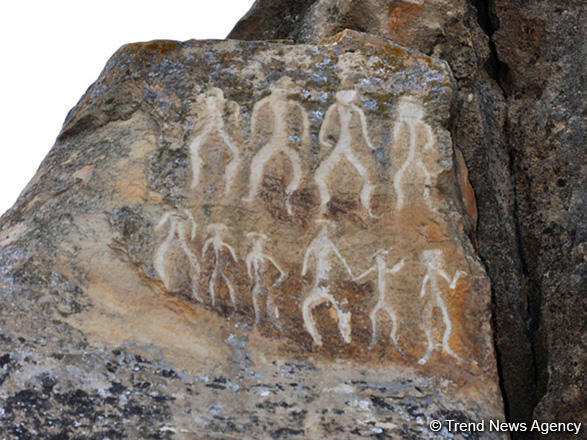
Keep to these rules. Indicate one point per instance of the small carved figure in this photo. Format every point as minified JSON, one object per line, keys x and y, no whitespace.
{"x":321,"y":247}
{"x":345,"y":106}
{"x":257,"y":261}
{"x":383,"y":304}
{"x":410,"y":116}
{"x":281,"y":108}
{"x":210,"y":125}
{"x":217,"y":242}
{"x":176,"y":239}
{"x":433,"y":261}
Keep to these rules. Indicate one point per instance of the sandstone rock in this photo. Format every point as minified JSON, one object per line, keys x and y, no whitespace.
{"x":249,"y":240}
{"x":458,"y":31}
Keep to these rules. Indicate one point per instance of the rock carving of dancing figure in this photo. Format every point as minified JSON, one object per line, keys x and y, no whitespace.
{"x":383,"y":304}
{"x":217,"y":242}
{"x":345,"y":107}
{"x":257,"y":264}
{"x":176,"y":239}
{"x":433,"y":261}
{"x":321,"y":247}
{"x":411,"y":118}
{"x":210,"y":126}
{"x":281,"y":108}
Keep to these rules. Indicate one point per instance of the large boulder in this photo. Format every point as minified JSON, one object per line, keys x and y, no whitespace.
{"x":253,"y":240}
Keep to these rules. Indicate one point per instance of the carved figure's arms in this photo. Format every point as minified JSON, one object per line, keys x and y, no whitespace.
{"x":283,"y":275}
{"x":344,"y":263}
{"x":249,"y":264}
{"x":424,"y":283}
{"x":322,"y":138}
{"x":163,"y":220}
{"x":364,"y":274}
{"x":397,"y":267}
{"x":364,"y":127}
{"x":231,"y":250}
{"x":309,"y":251}
{"x":207,"y":245}
{"x":458,"y":274}
{"x":305,"y":124}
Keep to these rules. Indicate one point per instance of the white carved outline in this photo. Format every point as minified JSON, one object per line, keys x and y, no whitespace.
{"x":217,"y":243}
{"x":320,"y":248}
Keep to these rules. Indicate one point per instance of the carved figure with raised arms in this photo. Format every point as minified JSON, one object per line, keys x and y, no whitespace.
{"x":321,"y":248}
{"x":176,"y":237}
{"x":383,"y":303}
{"x":433,"y":261}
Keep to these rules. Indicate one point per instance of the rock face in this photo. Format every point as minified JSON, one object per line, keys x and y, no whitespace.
{"x":517,"y":124}
{"x":249,"y":240}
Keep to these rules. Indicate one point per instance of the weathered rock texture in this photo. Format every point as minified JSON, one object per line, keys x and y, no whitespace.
{"x":519,"y":125}
{"x":249,"y":240}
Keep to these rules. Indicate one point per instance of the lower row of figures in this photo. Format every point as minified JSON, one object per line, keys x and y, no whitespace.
{"x":181,"y":229}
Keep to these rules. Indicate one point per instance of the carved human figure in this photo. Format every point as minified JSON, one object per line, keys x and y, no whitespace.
{"x":210,"y":126}
{"x":433,"y":261}
{"x":345,"y":107}
{"x":420,"y":142}
{"x":217,"y":243}
{"x":176,"y":240}
{"x":383,"y":303}
{"x":321,"y":248}
{"x":281,"y":109}
{"x":257,"y":261}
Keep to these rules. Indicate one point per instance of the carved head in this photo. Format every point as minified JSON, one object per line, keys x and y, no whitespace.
{"x":257,"y":237}
{"x":410,"y":108}
{"x":217,"y":228}
{"x":283,"y":86}
{"x":432,"y":257}
{"x":347,"y":97}
{"x":380,"y":254}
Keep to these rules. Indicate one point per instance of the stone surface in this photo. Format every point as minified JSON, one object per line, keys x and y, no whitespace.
{"x":517,"y":124}
{"x":249,"y":240}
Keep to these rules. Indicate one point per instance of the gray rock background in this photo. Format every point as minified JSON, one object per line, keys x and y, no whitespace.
{"x":519,"y":123}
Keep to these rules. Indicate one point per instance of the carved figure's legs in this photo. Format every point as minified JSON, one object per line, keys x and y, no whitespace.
{"x":447,"y":329}
{"x":273,"y":312}
{"x":231,"y":292}
{"x":428,"y":331}
{"x":257,"y":291}
{"x":212,"y":285}
{"x":321,"y":177}
{"x":195,"y":272}
{"x":297,"y":176}
{"x":365,"y":195}
{"x":313,"y":300}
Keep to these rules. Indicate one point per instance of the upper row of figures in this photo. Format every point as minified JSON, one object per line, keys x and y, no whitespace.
{"x":181,"y":229}
{"x":336,"y":125}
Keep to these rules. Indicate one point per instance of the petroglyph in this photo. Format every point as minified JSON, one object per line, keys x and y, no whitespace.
{"x":433,"y":261}
{"x":410,"y":129}
{"x":257,"y":261}
{"x":320,"y":248}
{"x":281,"y":108}
{"x":176,"y":240}
{"x":210,"y":128}
{"x":345,"y":107}
{"x":383,"y":304}
{"x":216,"y":241}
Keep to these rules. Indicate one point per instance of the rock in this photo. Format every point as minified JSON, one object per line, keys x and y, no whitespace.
{"x":516,"y":123}
{"x":249,"y":239}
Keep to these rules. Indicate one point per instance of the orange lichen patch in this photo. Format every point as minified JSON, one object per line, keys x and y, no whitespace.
{"x":458,"y":301}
